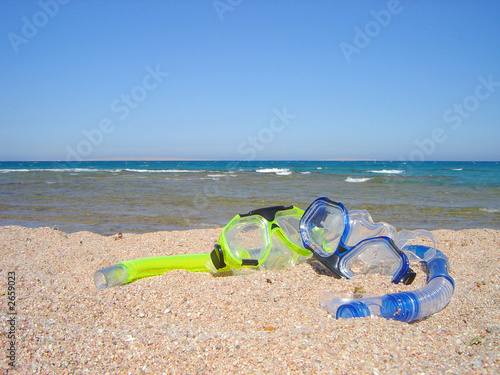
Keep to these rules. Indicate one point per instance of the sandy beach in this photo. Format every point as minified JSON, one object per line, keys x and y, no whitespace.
{"x":261,"y":323}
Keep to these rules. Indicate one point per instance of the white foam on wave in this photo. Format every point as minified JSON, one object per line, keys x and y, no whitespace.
{"x":59,"y":170}
{"x":278,"y":171}
{"x":457,"y":169}
{"x":388,"y":171}
{"x":357,"y":180}
{"x":13,"y":170}
{"x":163,"y":170}
{"x":490,"y":210}
{"x":217,"y":177}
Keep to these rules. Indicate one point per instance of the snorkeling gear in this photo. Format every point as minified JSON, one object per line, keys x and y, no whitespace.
{"x":266,"y":238}
{"x":350,"y":244}
{"x":131,"y":270}
{"x":405,"y":306}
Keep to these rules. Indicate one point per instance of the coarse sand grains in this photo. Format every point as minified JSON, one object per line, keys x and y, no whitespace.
{"x":267,"y":322}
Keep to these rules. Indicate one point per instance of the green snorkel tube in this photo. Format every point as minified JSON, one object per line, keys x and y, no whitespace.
{"x":131,"y":270}
{"x":267,"y":238}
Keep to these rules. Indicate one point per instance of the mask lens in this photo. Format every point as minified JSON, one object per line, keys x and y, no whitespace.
{"x":324,"y":226}
{"x":372,"y":256}
{"x":280,"y":256}
{"x":248,"y":239}
{"x":363,"y":227}
{"x":290,"y":226}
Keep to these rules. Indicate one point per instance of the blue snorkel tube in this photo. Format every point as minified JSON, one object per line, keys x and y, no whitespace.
{"x":405,"y":306}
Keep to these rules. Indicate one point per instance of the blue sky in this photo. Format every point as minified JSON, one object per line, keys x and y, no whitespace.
{"x":241,"y":79}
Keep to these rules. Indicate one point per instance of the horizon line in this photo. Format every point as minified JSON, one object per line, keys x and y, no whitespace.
{"x":236,"y":160}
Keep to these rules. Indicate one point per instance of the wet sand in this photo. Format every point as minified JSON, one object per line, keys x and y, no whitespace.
{"x":264,"y":322}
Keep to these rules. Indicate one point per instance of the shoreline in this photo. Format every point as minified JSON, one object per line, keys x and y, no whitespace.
{"x":265,"y":321}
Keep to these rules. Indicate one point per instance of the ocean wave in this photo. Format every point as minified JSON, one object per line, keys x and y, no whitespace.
{"x":163,"y":170}
{"x":59,"y":170}
{"x":13,"y":170}
{"x":278,"y":171}
{"x":457,"y":169}
{"x":490,"y":210}
{"x":357,"y":180}
{"x":86,"y":170}
{"x":388,"y":171}
{"x":216,"y":177}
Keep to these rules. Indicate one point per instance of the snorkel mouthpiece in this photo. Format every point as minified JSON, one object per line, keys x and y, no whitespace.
{"x":353,"y":310}
{"x":110,"y":276}
{"x":398,"y":306}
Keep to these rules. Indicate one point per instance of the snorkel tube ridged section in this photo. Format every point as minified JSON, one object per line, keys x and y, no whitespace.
{"x":405,"y":306}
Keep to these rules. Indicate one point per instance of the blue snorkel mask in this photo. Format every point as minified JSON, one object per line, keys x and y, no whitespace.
{"x":351,"y":244}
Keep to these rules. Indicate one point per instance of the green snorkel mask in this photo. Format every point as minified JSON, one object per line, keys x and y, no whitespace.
{"x":266,"y":238}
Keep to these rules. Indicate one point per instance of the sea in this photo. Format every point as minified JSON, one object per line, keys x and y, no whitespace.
{"x":108,"y":197}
